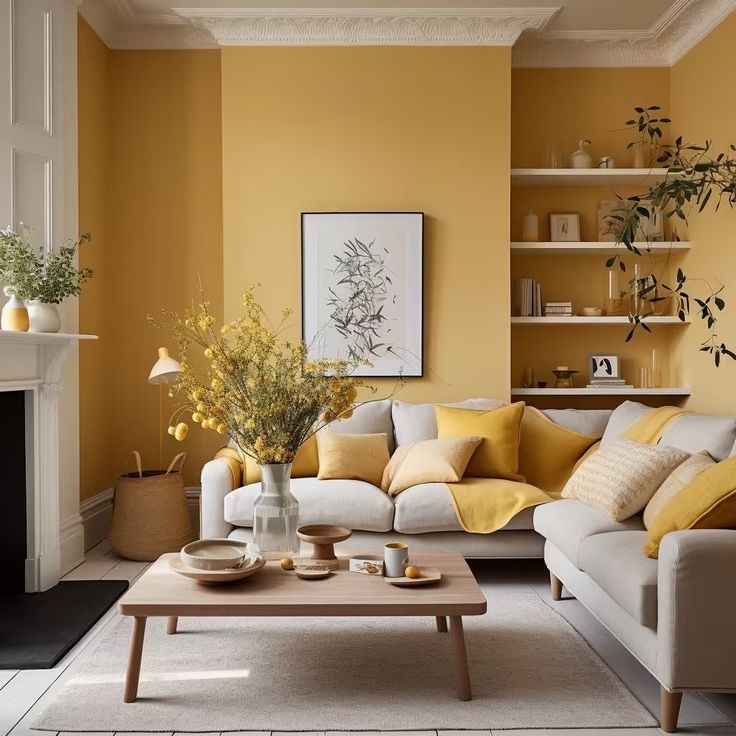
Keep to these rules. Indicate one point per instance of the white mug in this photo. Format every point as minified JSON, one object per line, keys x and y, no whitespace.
{"x":395,"y":559}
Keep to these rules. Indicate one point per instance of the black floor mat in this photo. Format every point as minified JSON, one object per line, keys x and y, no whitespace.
{"x":38,"y":629}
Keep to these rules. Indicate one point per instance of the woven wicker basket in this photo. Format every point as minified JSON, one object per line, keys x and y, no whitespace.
{"x":150,"y":515}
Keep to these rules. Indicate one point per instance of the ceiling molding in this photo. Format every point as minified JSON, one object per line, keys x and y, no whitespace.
{"x":368,"y":26}
{"x":676,"y":32}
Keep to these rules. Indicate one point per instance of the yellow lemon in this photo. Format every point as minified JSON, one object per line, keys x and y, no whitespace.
{"x":412,"y":572}
{"x":287,"y":563}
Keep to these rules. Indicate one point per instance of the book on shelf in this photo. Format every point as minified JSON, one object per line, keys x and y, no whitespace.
{"x":558,"y":309}
{"x":528,"y":298}
{"x":603,"y":386}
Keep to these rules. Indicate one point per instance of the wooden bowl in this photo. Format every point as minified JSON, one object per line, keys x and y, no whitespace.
{"x":324,"y":537}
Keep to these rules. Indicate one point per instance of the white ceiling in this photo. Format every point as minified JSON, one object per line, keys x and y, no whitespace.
{"x":543,"y":32}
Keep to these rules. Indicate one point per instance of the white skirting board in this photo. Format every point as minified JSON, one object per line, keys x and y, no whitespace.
{"x":96,"y":513}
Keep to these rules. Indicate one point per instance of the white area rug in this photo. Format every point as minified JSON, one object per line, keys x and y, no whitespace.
{"x":529,"y":669}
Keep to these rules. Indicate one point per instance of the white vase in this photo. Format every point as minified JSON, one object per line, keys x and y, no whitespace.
{"x":43,"y":317}
{"x":581,"y":159}
{"x":14,"y":315}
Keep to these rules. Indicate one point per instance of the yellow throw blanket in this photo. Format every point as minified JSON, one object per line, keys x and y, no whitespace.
{"x":485,"y":505}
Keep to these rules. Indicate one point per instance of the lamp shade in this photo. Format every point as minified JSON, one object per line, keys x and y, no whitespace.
{"x":165,"y":369}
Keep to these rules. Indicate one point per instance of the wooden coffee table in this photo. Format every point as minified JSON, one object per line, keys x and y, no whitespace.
{"x":274,"y":592}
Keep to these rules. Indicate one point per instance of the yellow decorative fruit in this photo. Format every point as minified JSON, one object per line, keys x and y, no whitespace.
{"x":412,"y":572}
{"x":287,"y":563}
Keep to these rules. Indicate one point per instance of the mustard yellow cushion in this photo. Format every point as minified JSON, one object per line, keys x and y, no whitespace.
{"x":548,"y":452}
{"x":430,"y":461}
{"x":352,"y":456}
{"x":306,"y":463}
{"x":707,"y":502}
{"x":497,"y":455}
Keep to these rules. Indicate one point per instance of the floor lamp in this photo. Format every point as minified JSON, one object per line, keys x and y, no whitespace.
{"x":164,"y":371}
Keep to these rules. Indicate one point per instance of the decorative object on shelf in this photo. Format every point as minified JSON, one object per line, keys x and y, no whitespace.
{"x":427,"y":576}
{"x":529,"y":298}
{"x":527,"y":377}
{"x":219,"y":554}
{"x":371,"y":565}
{"x":217,"y":577}
{"x":530,"y":227}
{"x":618,"y":303}
{"x":362,"y":289}
{"x":558,"y":309}
{"x":645,"y":148}
{"x":563,"y":376}
{"x":15,"y":314}
{"x":564,"y":227}
{"x":41,"y":279}
{"x":267,"y":396}
{"x":581,"y":159}
{"x":655,"y":371}
{"x":605,"y":367}
{"x":323,"y":537}
{"x":395,"y":559}
{"x":592,"y":311}
{"x":606,"y":229}
{"x":552,"y":158}
{"x":607,"y":162}
{"x":164,"y":371}
{"x":150,"y":512}
{"x":651,"y":226}
{"x":541,"y":384}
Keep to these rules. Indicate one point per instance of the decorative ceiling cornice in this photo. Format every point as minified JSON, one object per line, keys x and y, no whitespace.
{"x":368,"y":26}
{"x":685,"y":24}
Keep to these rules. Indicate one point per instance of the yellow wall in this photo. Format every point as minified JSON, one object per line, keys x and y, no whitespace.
{"x":703,"y":107}
{"x":322,"y":129}
{"x":151,"y":196}
{"x":556,"y":108}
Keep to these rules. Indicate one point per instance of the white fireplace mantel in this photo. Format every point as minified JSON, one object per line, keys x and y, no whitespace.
{"x":32,"y":362}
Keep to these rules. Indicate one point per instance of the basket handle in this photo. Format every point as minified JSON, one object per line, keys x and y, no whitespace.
{"x":176,"y":464}
{"x":138,"y":463}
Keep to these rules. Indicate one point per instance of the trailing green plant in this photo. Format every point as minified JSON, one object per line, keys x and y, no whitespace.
{"x":34,"y":275}
{"x":696,"y":177}
{"x":648,"y":127}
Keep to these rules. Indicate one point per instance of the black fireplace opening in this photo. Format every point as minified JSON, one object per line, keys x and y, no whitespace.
{"x":13,"y":501}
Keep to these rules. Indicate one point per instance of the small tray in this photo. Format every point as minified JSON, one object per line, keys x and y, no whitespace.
{"x":428,"y":575}
{"x":216,"y":577}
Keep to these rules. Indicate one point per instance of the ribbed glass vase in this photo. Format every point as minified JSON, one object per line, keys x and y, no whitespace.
{"x":276,"y":514}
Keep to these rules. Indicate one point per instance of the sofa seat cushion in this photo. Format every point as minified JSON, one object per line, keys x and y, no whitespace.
{"x":616,"y":562}
{"x":428,"y":508}
{"x":351,"y":503}
{"x":566,"y":523}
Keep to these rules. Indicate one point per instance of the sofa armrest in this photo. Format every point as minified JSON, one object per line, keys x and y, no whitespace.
{"x":217,"y":482}
{"x":696,"y":645}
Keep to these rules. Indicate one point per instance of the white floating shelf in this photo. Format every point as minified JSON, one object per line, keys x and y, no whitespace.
{"x":585,"y":177}
{"x":7,"y":337}
{"x":600,"y":392}
{"x":594,"y":248}
{"x":667,"y":320}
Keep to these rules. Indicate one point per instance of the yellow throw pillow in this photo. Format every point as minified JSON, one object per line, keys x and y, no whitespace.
{"x":497,"y":455}
{"x":429,"y":461}
{"x":707,"y":502}
{"x":306,"y":463}
{"x":678,"y":479}
{"x":352,"y":456}
{"x":548,"y":452}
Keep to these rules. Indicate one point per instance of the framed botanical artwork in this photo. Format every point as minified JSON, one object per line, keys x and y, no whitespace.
{"x":362,"y":289}
{"x":604,"y":367}
{"x":564,"y":227}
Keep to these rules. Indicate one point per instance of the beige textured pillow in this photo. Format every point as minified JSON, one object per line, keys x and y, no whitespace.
{"x":676,"y":481}
{"x":622,"y":476}
{"x":352,"y":456}
{"x":429,"y":461}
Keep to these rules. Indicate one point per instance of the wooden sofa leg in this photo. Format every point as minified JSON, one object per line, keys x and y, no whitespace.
{"x":556,"y":586}
{"x":670,"y":709}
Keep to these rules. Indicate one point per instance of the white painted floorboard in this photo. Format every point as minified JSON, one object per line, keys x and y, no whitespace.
{"x":24,"y":694}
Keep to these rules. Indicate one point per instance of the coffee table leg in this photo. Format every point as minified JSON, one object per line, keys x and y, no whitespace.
{"x":134,"y":659}
{"x":441,"y":624}
{"x":462,"y":675}
{"x":171,"y":622}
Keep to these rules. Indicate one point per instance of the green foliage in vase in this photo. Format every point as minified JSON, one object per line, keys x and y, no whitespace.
{"x":48,"y":278}
{"x":697,"y":177}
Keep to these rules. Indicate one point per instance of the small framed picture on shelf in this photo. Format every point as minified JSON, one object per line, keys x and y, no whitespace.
{"x":604,"y":367}
{"x":564,"y":227}
{"x":651,"y":227}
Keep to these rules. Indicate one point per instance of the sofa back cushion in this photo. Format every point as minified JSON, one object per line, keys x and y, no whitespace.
{"x":592,"y":422}
{"x":696,"y":432}
{"x":371,"y":418}
{"x":417,"y":423}
{"x":621,"y":419}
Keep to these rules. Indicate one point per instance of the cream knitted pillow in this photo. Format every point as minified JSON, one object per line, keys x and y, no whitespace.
{"x":623,"y":476}
{"x":676,"y":481}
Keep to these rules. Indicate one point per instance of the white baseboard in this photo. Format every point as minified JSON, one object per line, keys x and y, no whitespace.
{"x":96,"y":514}
{"x":71,"y":542}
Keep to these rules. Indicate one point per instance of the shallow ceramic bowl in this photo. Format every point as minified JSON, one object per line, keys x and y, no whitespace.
{"x":216,"y":554}
{"x":592,"y":311}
